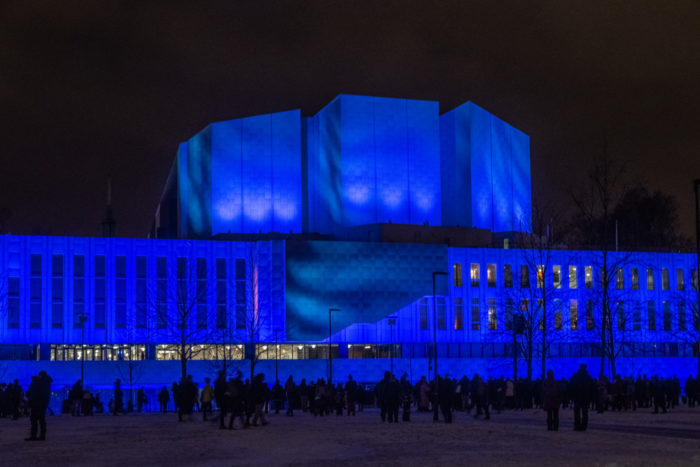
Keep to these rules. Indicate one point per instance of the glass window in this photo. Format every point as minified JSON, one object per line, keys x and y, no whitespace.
{"x":509,"y":314}
{"x":680,"y":280}
{"x":590,"y":322}
{"x":120,"y":288}
{"x":542,"y":325}
{"x":650,"y":279}
{"x":459,"y":314}
{"x":35,"y":289}
{"x":524,"y":277}
{"x":635,"y":278}
{"x":475,"y":275}
{"x":423,"y":313}
{"x":619,"y":279}
{"x":558,"y":319}
{"x":588,"y":271}
{"x":637,"y":317}
{"x":664,"y":279}
{"x":651,"y":315}
{"x":57,"y":291}
{"x":491,"y":275}
{"x":457,"y":273}
{"x":681,"y":316}
{"x":556,"y":277}
{"x":201,"y":293}
{"x":694,"y":278}
{"x":221,"y":290}
{"x":493,"y":318}
{"x":13,"y":302}
{"x":540,"y":276}
{"x":141,"y":292}
{"x":573,"y":312}
{"x":666,"y":312}
{"x":621,"y":316}
{"x":161,"y":292}
{"x":508,"y":276}
{"x":476,"y":318}
{"x":573,"y":277}
{"x":241,"y":295}
{"x":441,"y":313}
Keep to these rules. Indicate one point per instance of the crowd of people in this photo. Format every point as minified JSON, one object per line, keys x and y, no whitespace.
{"x":245,"y":403}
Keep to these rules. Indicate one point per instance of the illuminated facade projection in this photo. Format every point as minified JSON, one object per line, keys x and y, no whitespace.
{"x":360,"y":233}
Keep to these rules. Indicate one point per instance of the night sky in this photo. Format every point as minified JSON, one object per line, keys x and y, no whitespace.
{"x":92,"y":89}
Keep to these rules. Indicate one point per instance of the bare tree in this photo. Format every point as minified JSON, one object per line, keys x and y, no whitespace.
{"x":686,"y":328}
{"x":252,"y":313}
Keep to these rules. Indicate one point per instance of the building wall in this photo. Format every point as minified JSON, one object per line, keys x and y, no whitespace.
{"x":486,"y":163}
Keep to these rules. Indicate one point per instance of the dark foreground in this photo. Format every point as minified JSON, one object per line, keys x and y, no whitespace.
{"x":509,"y":438}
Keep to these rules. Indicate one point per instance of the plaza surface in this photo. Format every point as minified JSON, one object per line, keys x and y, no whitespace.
{"x":509,"y":438}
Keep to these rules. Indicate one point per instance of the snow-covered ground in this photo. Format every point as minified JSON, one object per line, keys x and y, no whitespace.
{"x":509,"y":438}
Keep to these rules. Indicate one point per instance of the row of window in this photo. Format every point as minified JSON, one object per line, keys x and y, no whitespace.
{"x":617,"y":275}
{"x":163,"y":296}
{"x":674,"y":316}
{"x":61,"y":352}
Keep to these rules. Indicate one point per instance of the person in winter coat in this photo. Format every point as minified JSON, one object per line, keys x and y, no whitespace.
{"x":163,"y":399}
{"x":551,"y":400}
{"x":581,"y":386}
{"x":38,"y":395}
{"x":206,"y":396}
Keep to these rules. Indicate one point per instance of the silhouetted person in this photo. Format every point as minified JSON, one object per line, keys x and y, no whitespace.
{"x":38,"y":395}
{"x":405,"y":395}
{"x":118,"y":400}
{"x":206,"y":397}
{"x":163,"y":399}
{"x":551,"y":400}
{"x":351,"y":394}
{"x":140,"y":399}
{"x":581,"y":386}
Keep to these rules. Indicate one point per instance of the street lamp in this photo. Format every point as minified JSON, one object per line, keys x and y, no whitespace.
{"x":277,"y":351}
{"x":82,"y":318}
{"x":435,"y":351}
{"x":391,"y":321}
{"x":330,"y":356}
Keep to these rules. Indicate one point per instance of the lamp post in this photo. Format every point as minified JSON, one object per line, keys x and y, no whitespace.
{"x":435,"y":352}
{"x":391,"y":322}
{"x":82,"y":317}
{"x":330,"y":356}
{"x":696,"y":185}
{"x":277,"y":351}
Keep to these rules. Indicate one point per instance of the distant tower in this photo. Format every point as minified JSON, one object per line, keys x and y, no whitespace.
{"x":109,"y":225}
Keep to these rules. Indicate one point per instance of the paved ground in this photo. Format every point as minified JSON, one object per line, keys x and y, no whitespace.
{"x":511,"y":438}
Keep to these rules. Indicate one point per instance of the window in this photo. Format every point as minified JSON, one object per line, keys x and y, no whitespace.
{"x":694,"y":278}
{"x":588,"y":272}
{"x":120,"y":295}
{"x":573,"y":313}
{"x":621,"y":316}
{"x":78,"y":291}
{"x":221,"y":298}
{"x":524,"y":277}
{"x":475,"y":275}
{"x":161,"y":292}
{"x":13,"y":302}
{"x":476,"y":318}
{"x":423,"y":314}
{"x":665,"y":285}
{"x":459,"y":314}
{"x":590,"y":322}
{"x":635,"y":279}
{"x":542,"y":324}
{"x":680,"y":281}
{"x":35,"y":292}
{"x":666,"y":314}
{"x":573,"y":277}
{"x":457,"y":273}
{"x":507,"y":276}
{"x":141,"y":292}
{"x":509,"y":314}
{"x":99,"y":292}
{"x":637,"y":317}
{"x":57,"y":291}
{"x":651,"y":315}
{"x":681,"y":316}
{"x":556,"y":277}
{"x":558,"y":319}
{"x":241,"y":295}
{"x":491,"y":275}
{"x":201,"y":293}
{"x":493,"y":318}
{"x":650,"y":279}
{"x":619,"y":279}
{"x":540,"y":276}
{"x":441,"y":313}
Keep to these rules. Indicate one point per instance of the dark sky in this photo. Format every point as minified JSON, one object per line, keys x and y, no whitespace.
{"x":90,"y":89}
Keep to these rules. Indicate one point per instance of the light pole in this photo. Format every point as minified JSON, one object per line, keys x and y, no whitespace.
{"x":82,"y":317}
{"x":435,"y":352}
{"x":391,"y":321}
{"x":330,"y":356}
{"x":696,"y":185}
{"x":277,"y":351}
